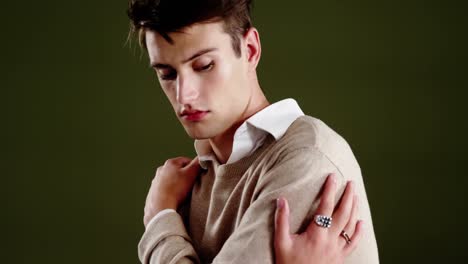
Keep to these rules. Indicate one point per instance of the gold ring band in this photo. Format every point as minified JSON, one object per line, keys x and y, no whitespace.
{"x":346,"y":237}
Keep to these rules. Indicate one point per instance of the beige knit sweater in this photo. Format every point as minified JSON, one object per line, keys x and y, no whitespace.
{"x":230,"y":217}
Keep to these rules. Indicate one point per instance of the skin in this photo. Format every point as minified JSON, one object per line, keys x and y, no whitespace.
{"x":320,"y":245}
{"x":228,"y":89}
{"x":200,"y":73}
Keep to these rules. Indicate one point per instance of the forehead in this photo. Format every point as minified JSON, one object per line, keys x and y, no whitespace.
{"x":187,"y":42}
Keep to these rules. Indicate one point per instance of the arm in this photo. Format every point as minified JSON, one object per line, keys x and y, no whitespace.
{"x":298,"y":176}
{"x":169,"y":188}
{"x":313,"y":246}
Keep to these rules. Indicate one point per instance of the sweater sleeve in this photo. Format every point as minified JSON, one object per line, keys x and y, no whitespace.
{"x":298,"y":176}
{"x":166,"y":241}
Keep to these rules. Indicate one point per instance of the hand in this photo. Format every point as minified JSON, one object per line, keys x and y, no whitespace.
{"x":317,"y":244}
{"x":171,"y":185}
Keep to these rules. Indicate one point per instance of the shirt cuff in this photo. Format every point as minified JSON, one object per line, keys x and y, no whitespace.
{"x":159,"y":215}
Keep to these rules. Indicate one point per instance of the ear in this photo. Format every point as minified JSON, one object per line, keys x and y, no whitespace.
{"x":254,"y":48}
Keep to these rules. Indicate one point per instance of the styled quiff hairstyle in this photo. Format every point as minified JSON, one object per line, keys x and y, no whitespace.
{"x":167,"y":16}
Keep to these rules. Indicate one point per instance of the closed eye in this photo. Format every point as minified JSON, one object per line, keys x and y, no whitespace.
{"x":170,"y":76}
{"x":206,"y":67}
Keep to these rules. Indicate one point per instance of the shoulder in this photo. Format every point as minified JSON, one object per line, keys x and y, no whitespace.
{"x":310,"y":132}
{"x":312,"y":137}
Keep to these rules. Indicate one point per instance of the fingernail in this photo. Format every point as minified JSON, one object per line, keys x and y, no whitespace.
{"x":280,"y":203}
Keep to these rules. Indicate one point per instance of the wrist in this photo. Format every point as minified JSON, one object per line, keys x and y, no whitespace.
{"x":159,"y":204}
{"x":164,"y":204}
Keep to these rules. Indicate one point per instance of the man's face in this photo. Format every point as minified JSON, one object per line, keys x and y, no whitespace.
{"x":203,"y":79}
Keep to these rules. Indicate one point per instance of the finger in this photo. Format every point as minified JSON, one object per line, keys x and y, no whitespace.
{"x":189,"y":162}
{"x":327,"y":199}
{"x":327,"y":202}
{"x":282,"y":235}
{"x":193,"y":167}
{"x":180,"y":161}
{"x":355,"y":238}
{"x":343,"y":211}
{"x":157,"y":169}
{"x":192,"y":162}
{"x":351,"y":225}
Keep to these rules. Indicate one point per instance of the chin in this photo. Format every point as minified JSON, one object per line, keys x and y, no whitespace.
{"x":205,"y":129}
{"x":197,"y":133}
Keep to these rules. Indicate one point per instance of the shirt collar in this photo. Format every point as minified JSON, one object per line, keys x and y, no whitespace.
{"x":274,"y":119}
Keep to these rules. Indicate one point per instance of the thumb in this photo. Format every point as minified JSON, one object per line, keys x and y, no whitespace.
{"x":282,"y":235}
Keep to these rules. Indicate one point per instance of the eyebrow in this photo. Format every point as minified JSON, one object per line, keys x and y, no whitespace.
{"x":196,"y":55}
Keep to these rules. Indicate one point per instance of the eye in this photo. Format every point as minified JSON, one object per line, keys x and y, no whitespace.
{"x":167,"y":74}
{"x":207,"y":67}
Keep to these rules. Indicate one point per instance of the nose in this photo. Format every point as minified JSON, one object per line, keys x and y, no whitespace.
{"x":187,"y":90}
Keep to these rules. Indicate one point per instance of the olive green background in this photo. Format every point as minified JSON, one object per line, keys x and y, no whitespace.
{"x":84,"y":123}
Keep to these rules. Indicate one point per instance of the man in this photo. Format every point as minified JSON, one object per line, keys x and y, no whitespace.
{"x":219,"y":207}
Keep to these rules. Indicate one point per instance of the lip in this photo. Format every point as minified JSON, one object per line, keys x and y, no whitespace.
{"x":195,"y":116}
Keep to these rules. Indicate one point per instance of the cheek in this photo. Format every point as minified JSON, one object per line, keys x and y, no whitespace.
{"x":225,"y":92}
{"x":221,"y":89}
{"x":224,"y":81}
{"x":213,"y":85}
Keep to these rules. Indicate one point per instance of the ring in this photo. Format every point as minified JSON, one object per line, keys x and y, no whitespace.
{"x":346,"y":237}
{"x":323,"y":221}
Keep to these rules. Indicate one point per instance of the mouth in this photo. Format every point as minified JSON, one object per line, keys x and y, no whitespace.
{"x":194,"y":115}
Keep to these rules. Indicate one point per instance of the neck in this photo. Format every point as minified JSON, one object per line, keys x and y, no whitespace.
{"x":222,"y":144}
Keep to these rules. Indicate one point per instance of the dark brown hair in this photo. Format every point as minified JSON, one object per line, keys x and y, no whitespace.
{"x":166,"y":16}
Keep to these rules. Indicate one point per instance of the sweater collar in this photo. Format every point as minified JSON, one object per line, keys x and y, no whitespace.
{"x":274,"y":119}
